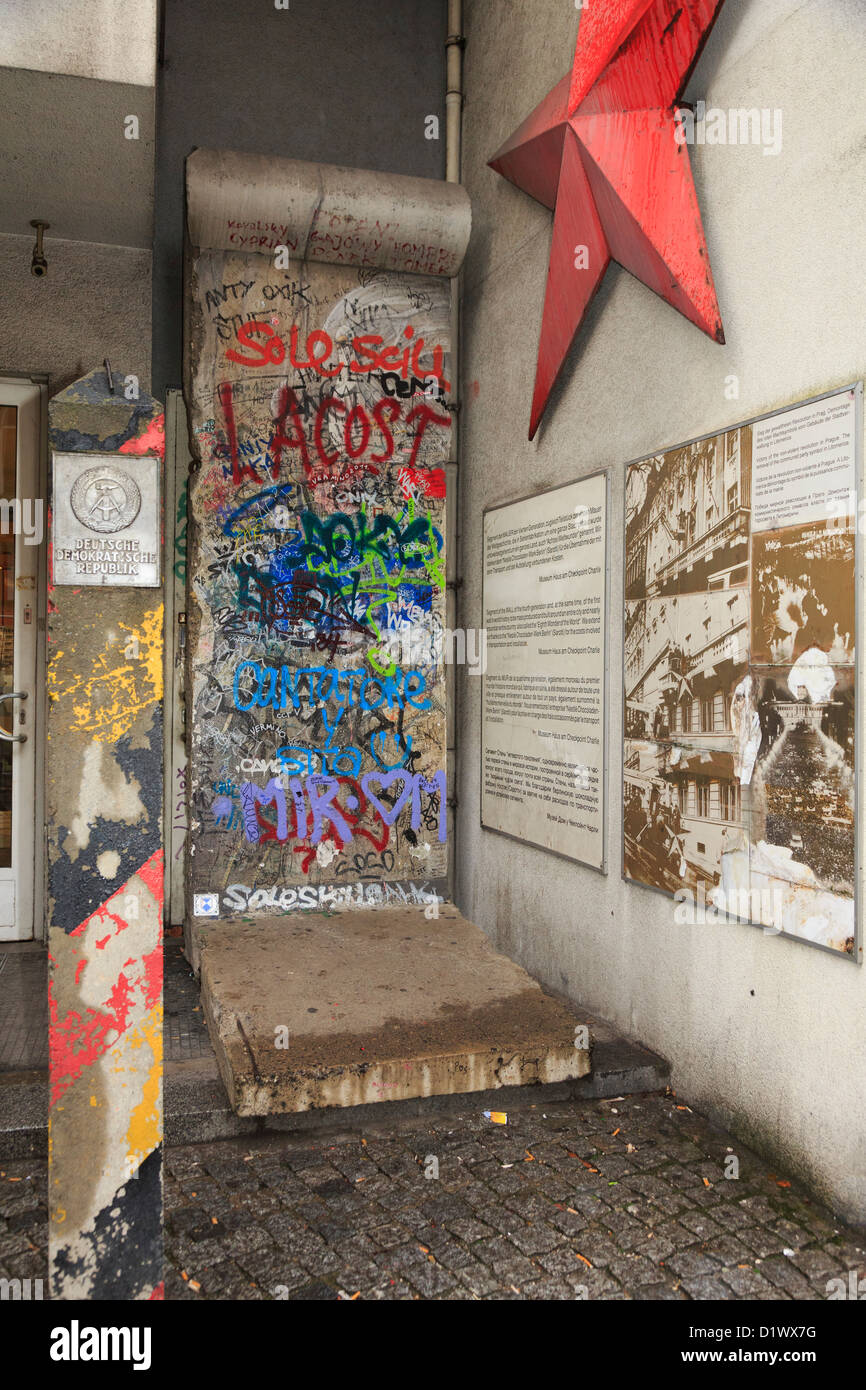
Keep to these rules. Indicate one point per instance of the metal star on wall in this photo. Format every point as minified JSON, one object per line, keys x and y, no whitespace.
{"x":602,"y":150}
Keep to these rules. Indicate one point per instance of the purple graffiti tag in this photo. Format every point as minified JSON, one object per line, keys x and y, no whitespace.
{"x":271,"y":795}
{"x":388,"y":813}
{"x":297,"y":788}
{"x":322,"y":792}
{"x":412,"y":789}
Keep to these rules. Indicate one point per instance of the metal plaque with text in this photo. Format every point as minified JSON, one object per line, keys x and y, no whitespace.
{"x":106,"y":522}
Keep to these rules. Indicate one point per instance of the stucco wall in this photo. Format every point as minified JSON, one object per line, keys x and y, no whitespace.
{"x":93,"y":303}
{"x":113,"y":41}
{"x":766,"y":1034}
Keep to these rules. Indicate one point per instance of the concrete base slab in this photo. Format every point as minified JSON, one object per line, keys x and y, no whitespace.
{"x":350,"y":1008}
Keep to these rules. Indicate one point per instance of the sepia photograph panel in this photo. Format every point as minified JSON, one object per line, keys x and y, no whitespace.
{"x":683,"y":814}
{"x":686,"y":658}
{"x":803,"y":799}
{"x":687,"y":517}
{"x":803,"y":593}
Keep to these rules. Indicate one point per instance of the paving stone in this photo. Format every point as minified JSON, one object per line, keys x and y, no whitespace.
{"x":427,"y":1277}
{"x":691,"y":1262}
{"x":730,"y":1251}
{"x":507,"y":1263}
{"x":533,"y":1239}
{"x":597,"y":1247}
{"x":655,"y":1248}
{"x":468,"y":1229}
{"x":549,"y":1290}
{"x":817,"y":1265}
{"x":700,"y":1223}
{"x":791,"y":1236}
{"x":15,"y":1243}
{"x":450,"y":1254}
{"x":748,"y":1283}
{"x":631,"y":1269}
{"x":562,"y":1261}
{"x":359,"y":1275}
{"x":675,"y":1234}
{"x":783,"y":1275}
{"x":314,"y":1292}
{"x":666,"y":1292}
{"x":703,"y":1287}
{"x":477,"y":1278}
{"x":762,"y":1242}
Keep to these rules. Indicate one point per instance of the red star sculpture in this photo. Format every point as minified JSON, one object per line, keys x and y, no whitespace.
{"x":603,"y":151}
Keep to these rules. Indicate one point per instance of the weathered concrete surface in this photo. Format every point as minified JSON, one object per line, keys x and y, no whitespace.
{"x":317,"y":606}
{"x":105,"y":884}
{"x":327,"y":213}
{"x":353,"y":1008}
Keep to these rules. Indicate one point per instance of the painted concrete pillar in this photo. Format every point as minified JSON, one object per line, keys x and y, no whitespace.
{"x":105,"y":866}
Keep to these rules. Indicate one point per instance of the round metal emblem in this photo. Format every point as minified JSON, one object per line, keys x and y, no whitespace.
{"x":105,"y":499}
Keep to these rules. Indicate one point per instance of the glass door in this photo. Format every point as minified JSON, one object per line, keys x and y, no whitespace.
{"x":22,"y":523}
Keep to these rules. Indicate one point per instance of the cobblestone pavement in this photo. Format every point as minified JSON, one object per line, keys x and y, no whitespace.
{"x":622,"y":1199}
{"x":608,"y":1200}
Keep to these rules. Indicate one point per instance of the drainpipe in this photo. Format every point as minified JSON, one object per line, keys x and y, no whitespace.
{"x":454,"y":45}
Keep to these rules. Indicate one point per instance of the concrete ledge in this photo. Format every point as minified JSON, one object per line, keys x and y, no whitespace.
{"x":197,"y":1110}
{"x":350,"y":1009}
{"x":23,"y":1115}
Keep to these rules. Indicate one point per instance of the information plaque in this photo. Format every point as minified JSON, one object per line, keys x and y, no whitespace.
{"x":105,"y":520}
{"x":544,"y":690}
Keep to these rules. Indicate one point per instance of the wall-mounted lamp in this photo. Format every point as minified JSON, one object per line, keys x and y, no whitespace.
{"x":38,"y":263}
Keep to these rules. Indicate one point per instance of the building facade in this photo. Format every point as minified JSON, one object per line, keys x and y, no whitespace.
{"x":174,"y":758}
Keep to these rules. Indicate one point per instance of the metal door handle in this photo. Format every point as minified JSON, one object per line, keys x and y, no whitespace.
{"x":13,"y":695}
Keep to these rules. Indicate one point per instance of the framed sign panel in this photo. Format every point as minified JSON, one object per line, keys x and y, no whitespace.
{"x":106,"y":520}
{"x":742,"y":582}
{"x":544,"y":692}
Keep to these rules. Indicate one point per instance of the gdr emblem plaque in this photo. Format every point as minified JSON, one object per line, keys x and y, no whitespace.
{"x":105,"y":499}
{"x":106,"y":520}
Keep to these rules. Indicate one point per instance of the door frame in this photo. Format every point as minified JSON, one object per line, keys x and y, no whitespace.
{"x":29,"y":392}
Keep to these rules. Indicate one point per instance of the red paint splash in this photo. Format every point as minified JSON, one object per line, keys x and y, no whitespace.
{"x":430,"y":481}
{"x":152,"y":963}
{"x":77,"y":1040}
{"x":151,"y":441}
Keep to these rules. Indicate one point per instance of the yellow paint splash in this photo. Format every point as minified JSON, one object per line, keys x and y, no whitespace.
{"x":107,"y":700}
{"x":145,"y":1126}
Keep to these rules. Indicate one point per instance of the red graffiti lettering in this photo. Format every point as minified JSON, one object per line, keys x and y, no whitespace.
{"x":427,"y":417}
{"x":288,"y":405}
{"x":369,"y":353}
{"x":239,"y":470}
{"x":357,"y":416}
{"x":329,"y":403}
{"x":272,"y":352}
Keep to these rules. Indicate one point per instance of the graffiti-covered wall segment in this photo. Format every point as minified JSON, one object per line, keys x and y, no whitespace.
{"x":319,"y":412}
